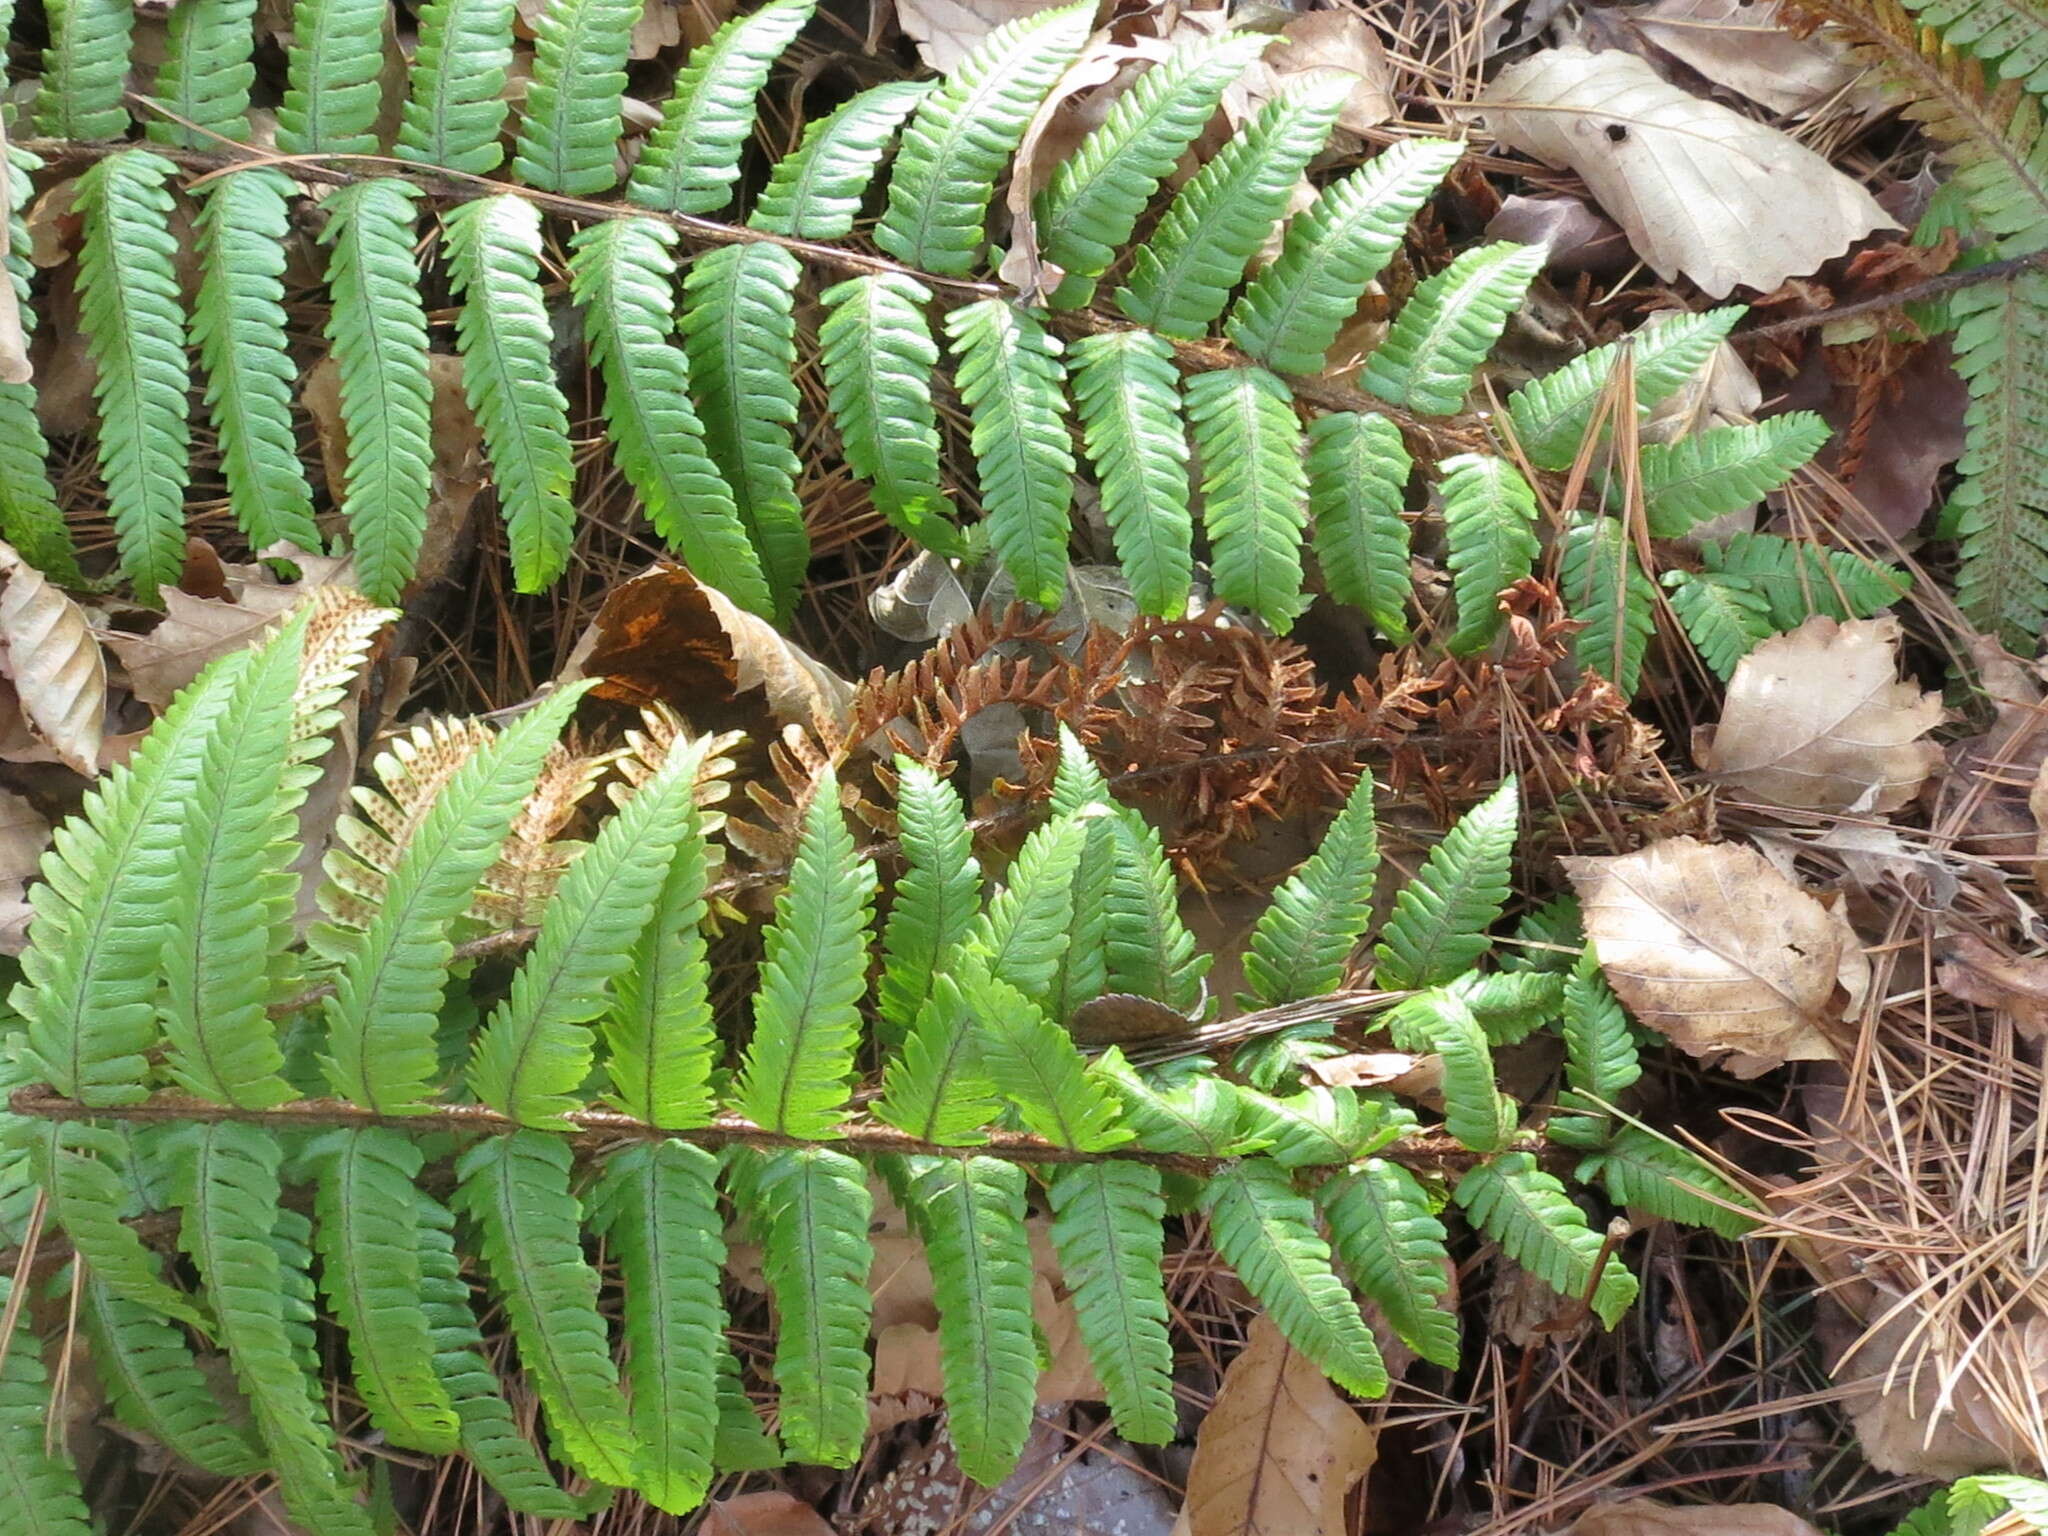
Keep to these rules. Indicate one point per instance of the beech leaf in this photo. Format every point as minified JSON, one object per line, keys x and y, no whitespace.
{"x":1712,"y":947}
{"x":1817,"y":720}
{"x":1701,"y":190}
{"x":54,"y":658}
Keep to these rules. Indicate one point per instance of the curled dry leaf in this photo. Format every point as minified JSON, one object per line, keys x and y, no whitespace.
{"x":1279,"y":1450}
{"x":946,"y":31}
{"x":1983,"y":974}
{"x":763,"y":1514}
{"x":1341,"y":40}
{"x":1742,"y":46}
{"x":1648,"y":1517}
{"x":53,"y":657}
{"x":1714,"y":949}
{"x":1701,"y":190}
{"x":1818,"y":720}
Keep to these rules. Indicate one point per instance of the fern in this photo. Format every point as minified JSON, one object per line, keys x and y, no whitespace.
{"x":1600,"y":1047}
{"x":30,"y":518}
{"x":78,"y":1169}
{"x":622,"y":273}
{"x":806,"y":1014}
{"x":815,"y":191}
{"x":377,"y":330}
{"x":1489,"y":523}
{"x":1031,"y":1062}
{"x":739,"y":330}
{"x":1150,"y":951}
{"x":1079,"y":790}
{"x":1181,"y":278}
{"x":332,"y":95}
{"x":155,"y":1385}
{"x":134,"y":328}
{"x":457,"y":105}
{"x":1511,"y":1005}
{"x":1025,"y":928}
{"x":1266,"y":1233}
{"x":934,"y":1087}
{"x":1527,"y":1212}
{"x":1799,"y":580}
{"x":692,"y":159}
{"x":878,"y":354}
{"x":1607,"y":588}
{"x":1357,"y":478}
{"x":1644,"y":1170}
{"x":936,"y":896}
{"x":1392,"y":1246}
{"x":1439,"y":924}
{"x":238,"y":324}
{"x":1447,"y":327}
{"x":502,"y":333}
{"x":39,"y":1482}
{"x":571,"y":120}
{"x":1724,"y":616}
{"x":203,"y":86}
{"x":1127,"y":393}
{"x":962,"y":135}
{"x":1476,"y":1113}
{"x":1106,"y":1231}
{"x":1290,"y":315}
{"x":1302,"y":943}
{"x":1723,"y":470}
{"x":1254,"y":489}
{"x":85,"y":69}
{"x":1009,"y":375}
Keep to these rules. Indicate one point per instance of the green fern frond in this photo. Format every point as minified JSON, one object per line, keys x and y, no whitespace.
{"x":807,"y":1011}
{"x":1106,"y":1229}
{"x":155,"y":1385}
{"x":815,"y":191}
{"x":2004,"y":34}
{"x":961,"y":138}
{"x":658,"y":1034}
{"x":516,"y":1190}
{"x":1490,"y":525}
{"x":1439,"y":924}
{"x":333,"y":94}
{"x":878,"y":355}
{"x":538,"y":1046}
{"x":229,"y":1198}
{"x":387,"y":997}
{"x":1083,"y":971}
{"x":1527,"y":1212}
{"x":238,"y":324}
{"x":134,"y":329}
{"x":1476,"y":1113}
{"x":1642,"y":1169}
{"x":457,"y":106}
{"x":30,"y":518}
{"x":936,"y":898}
{"x":1024,"y":930}
{"x":80,"y":1169}
{"x":622,"y":275}
{"x":1303,"y":941}
{"x":1127,"y":393}
{"x":1799,"y":580}
{"x":85,"y":69}
{"x":1447,"y":327}
{"x":816,"y":1257}
{"x":1357,"y":480}
{"x":693,"y":158}
{"x":203,"y":86}
{"x":1724,"y":617}
{"x":934,"y":1087}
{"x":743,"y":1444}
{"x":1091,"y":205}
{"x":366,"y":1205}
{"x":1600,"y":1047}
{"x":1723,"y":470}
{"x":970,"y":1214}
{"x":1197,"y":1115}
{"x":1552,"y":414}
{"x":503,"y":334}
{"x":1317,"y":1128}
{"x":1009,"y":375}
{"x":37,"y":1480}
{"x":1392,"y":1246}
{"x":1511,"y":1005}
{"x":739,"y":329}
{"x":1607,"y":588}
{"x":658,"y":1206}
{"x":377,"y":330}
{"x":1150,"y":951}
{"x":1035,"y":1064}
{"x":569,"y":129}
{"x":1291,"y":314}
{"x":1254,"y":489}
{"x":1266,"y":1232}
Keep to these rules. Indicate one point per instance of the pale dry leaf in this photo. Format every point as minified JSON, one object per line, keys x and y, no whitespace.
{"x":24,"y":834}
{"x":2037,"y":806}
{"x":1818,"y":720}
{"x":1648,"y":1517}
{"x":1701,"y":190}
{"x":763,"y":1514}
{"x":195,"y":630}
{"x":946,"y":31}
{"x":1709,"y":945}
{"x":1981,"y":973}
{"x":1279,"y":1450}
{"x":1063,"y":119}
{"x":53,"y":657}
{"x":1743,"y":46}
{"x":1320,"y":41}
{"x":14,"y":364}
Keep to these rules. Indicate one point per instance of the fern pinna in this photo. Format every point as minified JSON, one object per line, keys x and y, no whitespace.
{"x":169,"y":1043}
{"x":1162,"y":363}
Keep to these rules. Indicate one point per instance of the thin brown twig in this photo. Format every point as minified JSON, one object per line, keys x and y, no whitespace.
{"x":1926,"y":288}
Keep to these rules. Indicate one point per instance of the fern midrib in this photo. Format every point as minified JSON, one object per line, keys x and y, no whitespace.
{"x":982,"y":1382}
{"x":654,"y":1317}
{"x":370,"y":428}
{"x":804,"y":1020}
{"x":1124,"y":1339}
{"x":522,"y":392}
{"x":1157,"y":548}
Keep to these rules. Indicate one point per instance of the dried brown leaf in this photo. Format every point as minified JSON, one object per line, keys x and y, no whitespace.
{"x":1713,"y":948}
{"x":1647,"y":1517}
{"x":1279,"y":1451}
{"x":1701,"y":190}
{"x":1818,"y":720}
{"x":1742,"y":46}
{"x":50,"y":651}
{"x":763,"y":1514}
{"x":946,"y":31}
{"x":1340,"y":40}
{"x":1983,"y":974}
{"x":24,"y":834}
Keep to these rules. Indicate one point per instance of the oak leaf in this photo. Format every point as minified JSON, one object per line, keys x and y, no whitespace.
{"x":1818,"y":720}
{"x":1716,"y":950}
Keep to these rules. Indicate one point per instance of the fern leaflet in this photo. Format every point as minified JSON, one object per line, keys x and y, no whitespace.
{"x":457,"y":106}
{"x":1606,"y":586}
{"x":934,"y":1087}
{"x":155,"y":1385}
{"x":1527,"y":1212}
{"x":1254,"y":489}
{"x":1724,"y":616}
{"x":1723,"y":470}
{"x":39,"y":1483}
{"x":935,"y":898}
{"x":1127,"y":392}
{"x":1357,"y":478}
{"x":571,"y":121}
{"x":1644,"y":1170}
{"x":1302,"y":943}
{"x":1150,"y":951}
{"x":1035,"y":1064}
{"x":1448,"y":326}
{"x":1439,"y":924}
{"x":85,"y":69}
{"x":1489,"y":523}
{"x":815,"y":191}
{"x":1799,"y":580}
{"x":1106,"y":1229}
{"x":332,"y":95}
{"x":1392,"y":1246}
{"x":203,"y":86}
